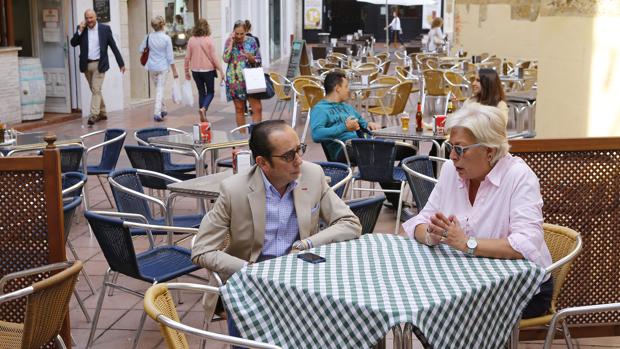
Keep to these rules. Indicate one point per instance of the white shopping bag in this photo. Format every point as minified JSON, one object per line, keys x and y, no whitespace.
{"x":188,"y":96}
{"x":177,"y":98}
{"x":254,"y":80}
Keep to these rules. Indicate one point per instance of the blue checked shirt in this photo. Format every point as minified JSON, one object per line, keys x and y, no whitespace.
{"x":281,"y":228}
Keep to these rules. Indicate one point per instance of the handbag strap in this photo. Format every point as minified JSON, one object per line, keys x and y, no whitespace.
{"x":147,"y":40}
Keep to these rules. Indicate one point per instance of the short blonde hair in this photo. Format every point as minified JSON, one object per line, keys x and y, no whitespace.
{"x":437,"y":22}
{"x":487,"y":124}
{"x":158,"y":23}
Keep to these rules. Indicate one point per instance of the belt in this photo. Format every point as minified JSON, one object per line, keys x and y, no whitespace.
{"x":92,"y":60}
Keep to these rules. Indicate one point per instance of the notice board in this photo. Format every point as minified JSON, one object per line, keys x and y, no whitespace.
{"x":299,"y":62}
{"x":102,"y":8}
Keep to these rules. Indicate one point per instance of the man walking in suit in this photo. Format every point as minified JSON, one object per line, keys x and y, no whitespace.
{"x":94,"y":39}
{"x":272,"y":210}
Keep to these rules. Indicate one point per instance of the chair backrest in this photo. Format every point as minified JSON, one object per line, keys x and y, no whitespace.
{"x":367,"y":210}
{"x":71,"y":180}
{"x":313,"y":94}
{"x":560,"y":241}
{"x":279,"y":85}
{"x":336,"y":171}
{"x":319,"y":52}
{"x":373,"y":60}
{"x":434,"y":83}
{"x":71,"y":158}
{"x":456,"y":84}
{"x":126,"y":202}
{"x":159,"y":306}
{"x":30,"y":221}
{"x":147,"y":158}
{"x":420,"y":188}
{"x":47,"y":305}
{"x":402,"y":72}
{"x":142,"y":135}
{"x":383,"y":56}
{"x":298,"y":85}
{"x":111,"y":152}
{"x":401,"y":96}
{"x":115,"y":242}
{"x":375,"y":159}
{"x":579,"y":180}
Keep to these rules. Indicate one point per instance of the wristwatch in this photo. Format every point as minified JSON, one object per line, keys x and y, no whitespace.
{"x":472,"y":244}
{"x":300,"y":245}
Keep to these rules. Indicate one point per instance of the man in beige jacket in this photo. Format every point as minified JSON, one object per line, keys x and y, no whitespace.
{"x":272,"y":210}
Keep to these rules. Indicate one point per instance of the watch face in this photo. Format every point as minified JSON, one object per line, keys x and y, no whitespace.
{"x":472,"y":243}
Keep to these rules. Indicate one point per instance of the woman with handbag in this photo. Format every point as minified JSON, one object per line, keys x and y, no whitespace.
{"x":201,"y":59}
{"x":157,"y":58}
{"x":396,"y":30}
{"x":241,"y":52}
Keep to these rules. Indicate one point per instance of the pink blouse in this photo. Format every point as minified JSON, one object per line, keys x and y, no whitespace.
{"x":508,"y":204}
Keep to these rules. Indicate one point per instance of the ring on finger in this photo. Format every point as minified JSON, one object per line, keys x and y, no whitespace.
{"x":445,"y":233}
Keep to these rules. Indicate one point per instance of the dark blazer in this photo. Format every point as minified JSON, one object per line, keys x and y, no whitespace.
{"x":105,"y":39}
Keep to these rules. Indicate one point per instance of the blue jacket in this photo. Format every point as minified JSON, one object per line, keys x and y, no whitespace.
{"x":328,"y":122}
{"x":105,"y":39}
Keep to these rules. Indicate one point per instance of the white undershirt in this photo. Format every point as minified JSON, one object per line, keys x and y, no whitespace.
{"x":93,"y":43}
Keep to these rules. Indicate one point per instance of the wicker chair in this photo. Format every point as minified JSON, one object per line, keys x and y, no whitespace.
{"x":159,"y":306}
{"x":281,"y":86}
{"x":339,"y":174}
{"x":367,"y":210}
{"x":142,"y":138}
{"x":46,"y":306}
{"x":301,"y":102}
{"x":457,"y":85}
{"x":435,"y":88}
{"x":383,"y":56}
{"x":564,"y":245}
{"x":400,"y":95}
{"x":421,"y":178}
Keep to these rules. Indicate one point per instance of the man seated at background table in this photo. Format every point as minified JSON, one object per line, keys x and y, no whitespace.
{"x":272,"y":210}
{"x":332,"y":118}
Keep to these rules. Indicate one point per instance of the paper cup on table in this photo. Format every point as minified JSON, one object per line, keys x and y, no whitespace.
{"x":439,"y":122}
{"x":364,"y":79}
{"x":334,"y":41}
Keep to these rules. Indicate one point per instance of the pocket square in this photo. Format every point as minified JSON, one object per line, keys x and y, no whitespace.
{"x":315,"y":209}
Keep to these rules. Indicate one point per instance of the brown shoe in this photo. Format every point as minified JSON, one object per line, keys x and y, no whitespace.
{"x":103,"y":117}
{"x":93,"y":119}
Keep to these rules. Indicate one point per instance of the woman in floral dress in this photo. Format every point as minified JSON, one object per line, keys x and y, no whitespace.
{"x":241,"y":52}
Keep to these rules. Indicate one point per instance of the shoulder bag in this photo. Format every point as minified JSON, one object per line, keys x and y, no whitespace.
{"x":145,"y":53}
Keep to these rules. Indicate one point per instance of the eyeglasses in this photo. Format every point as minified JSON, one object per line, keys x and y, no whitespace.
{"x":289,"y":156}
{"x":459,"y":149}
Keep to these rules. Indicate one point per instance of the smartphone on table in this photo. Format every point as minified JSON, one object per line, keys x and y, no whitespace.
{"x":311,"y":258}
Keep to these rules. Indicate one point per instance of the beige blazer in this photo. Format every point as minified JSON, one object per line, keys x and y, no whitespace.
{"x":233,"y":232}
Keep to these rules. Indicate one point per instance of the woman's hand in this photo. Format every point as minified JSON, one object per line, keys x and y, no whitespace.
{"x":187,"y":76}
{"x":250,"y":57}
{"x":448,"y":230}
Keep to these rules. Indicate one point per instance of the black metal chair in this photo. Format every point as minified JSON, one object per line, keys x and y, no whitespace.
{"x":152,"y":159}
{"x":129,"y":196}
{"x":339,"y":174}
{"x":421,"y":177}
{"x":155,"y":265}
{"x":71,"y":158}
{"x":113,"y":139}
{"x":375,"y":163}
{"x":367,"y":210}
{"x":142,"y":137}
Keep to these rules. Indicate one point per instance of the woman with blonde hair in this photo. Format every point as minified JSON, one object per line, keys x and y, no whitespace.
{"x":487,"y":202}
{"x":435,"y":35}
{"x":202,"y":61}
{"x":159,"y":61}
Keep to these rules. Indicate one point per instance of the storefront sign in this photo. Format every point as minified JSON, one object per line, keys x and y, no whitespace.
{"x":50,"y":15}
{"x":313,"y":14}
{"x":102,"y":8}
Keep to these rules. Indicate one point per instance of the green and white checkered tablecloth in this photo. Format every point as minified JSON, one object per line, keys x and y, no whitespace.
{"x":369,"y":285}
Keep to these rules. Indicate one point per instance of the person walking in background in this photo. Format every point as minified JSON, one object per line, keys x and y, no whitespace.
{"x":94,"y":39}
{"x":160,"y":60}
{"x":396,"y":30}
{"x":248,"y":28}
{"x":241,"y":51}
{"x":201,"y":59}
{"x":436,"y":38}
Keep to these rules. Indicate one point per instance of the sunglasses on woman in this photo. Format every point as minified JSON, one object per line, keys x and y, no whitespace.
{"x":289,"y":156}
{"x":459,"y":149}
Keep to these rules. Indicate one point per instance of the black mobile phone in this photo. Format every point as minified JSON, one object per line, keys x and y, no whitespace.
{"x":311,"y":258}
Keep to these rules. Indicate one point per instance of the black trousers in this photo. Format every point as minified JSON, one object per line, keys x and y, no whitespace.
{"x":541,"y":302}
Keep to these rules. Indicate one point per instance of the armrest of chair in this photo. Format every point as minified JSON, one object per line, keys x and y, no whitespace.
{"x":102,"y":144}
{"x":29,"y":272}
{"x":344,"y":181}
{"x":134,"y":216}
{"x":344,"y":149}
{"x":138,"y":194}
{"x":566,"y":259}
{"x":167,"y":228}
{"x":419,"y":175}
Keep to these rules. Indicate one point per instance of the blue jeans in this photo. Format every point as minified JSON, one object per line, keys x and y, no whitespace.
{"x":206,"y":90}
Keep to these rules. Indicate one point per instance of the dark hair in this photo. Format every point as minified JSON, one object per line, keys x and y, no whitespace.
{"x":491,"y":90}
{"x":259,"y":138}
{"x":248,"y":25}
{"x":333,"y":79}
{"x":202,"y":28}
{"x":240,"y":23}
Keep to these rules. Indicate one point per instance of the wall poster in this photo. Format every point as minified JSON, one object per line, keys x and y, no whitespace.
{"x":313,"y":14}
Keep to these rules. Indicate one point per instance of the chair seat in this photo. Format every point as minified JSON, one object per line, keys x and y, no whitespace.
{"x":165,"y":263}
{"x":380,"y":110}
{"x":187,"y":221}
{"x":398,"y":175}
{"x":179,"y":167}
{"x":11,"y":334}
{"x":97,"y":170}
{"x":224,"y":162}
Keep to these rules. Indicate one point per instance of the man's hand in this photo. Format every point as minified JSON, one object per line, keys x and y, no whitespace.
{"x":122,"y":69}
{"x":294,"y":251}
{"x":352,"y":124}
{"x":373,"y":126}
{"x":82,"y":25}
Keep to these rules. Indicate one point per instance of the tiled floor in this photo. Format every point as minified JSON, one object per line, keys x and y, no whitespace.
{"x":118,"y":334}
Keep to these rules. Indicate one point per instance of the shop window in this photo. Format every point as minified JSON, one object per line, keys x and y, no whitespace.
{"x":180,"y":18}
